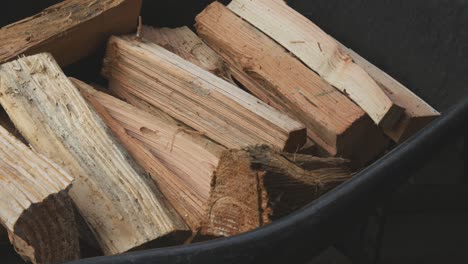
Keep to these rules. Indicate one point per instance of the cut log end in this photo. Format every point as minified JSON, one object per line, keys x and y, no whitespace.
{"x":40,"y":236}
{"x":276,"y":187}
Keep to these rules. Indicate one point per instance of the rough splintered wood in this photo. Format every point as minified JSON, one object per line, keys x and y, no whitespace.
{"x":70,"y":30}
{"x":417,"y":112}
{"x":235,"y":187}
{"x":271,"y":73}
{"x":186,"y":44}
{"x":209,"y":104}
{"x":279,"y":187}
{"x":35,"y":208}
{"x":321,"y":53}
{"x":180,"y":160}
{"x":122,"y":206}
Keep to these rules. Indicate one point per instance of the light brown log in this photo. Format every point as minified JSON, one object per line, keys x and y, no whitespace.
{"x":321,"y":53}
{"x":212,"y":188}
{"x":209,"y":104}
{"x":186,"y":44}
{"x":35,"y":208}
{"x":180,"y":160}
{"x":271,"y":73}
{"x":70,"y":30}
{"x":122,"y":206}
{"x":417,"y":113}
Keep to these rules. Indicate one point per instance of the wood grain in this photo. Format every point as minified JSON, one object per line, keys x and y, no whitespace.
{"x":276,"y":187}
{"x":216,"y":193}
{"x":70,"y":30}
{"x":180,"y":160}
{"x":209,"y":104}
{"x":271,"y":73}
{"x":417,"y":113}
{"x":35,"y":207}
{"x":122,"y":206}
{"x":321,"y":53}
{"x":186,"y":44}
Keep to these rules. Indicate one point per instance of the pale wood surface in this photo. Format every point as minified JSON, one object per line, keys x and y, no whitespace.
{"x":417,"y":113}
{"x":180,"y":160}
{"x":205,"y":182}
{"x":185,"y":43}
{"x":35,"y":208}
{"x":271,"y":73}
{"x":321,"y":53}
{"x":211,"y":105}
{"x":70,"y":30}
{"x":122,"y":206}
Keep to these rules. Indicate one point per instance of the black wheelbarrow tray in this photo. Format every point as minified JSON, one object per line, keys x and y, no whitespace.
{"x":307,"y":232}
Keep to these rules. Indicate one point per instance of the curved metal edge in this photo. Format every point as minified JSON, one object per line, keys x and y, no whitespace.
{"x":313,"y":228}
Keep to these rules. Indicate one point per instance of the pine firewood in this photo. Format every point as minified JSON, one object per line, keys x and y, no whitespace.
{"x":35,"y":208}
{"x":70,"y":30}
{"x":209,"y":104}
{"x":220,"y":191}
{"x":271,"y":73}
{"x":321,"y":53}
{"x":417,"y":112}
{"x":121,"y":205}
{"x":186,"y":44}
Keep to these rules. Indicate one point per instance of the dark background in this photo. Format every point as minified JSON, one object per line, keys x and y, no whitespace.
{"x":421,"y":43}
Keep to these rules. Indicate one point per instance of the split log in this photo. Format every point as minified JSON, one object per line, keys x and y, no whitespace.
{"x":35,"y":208}
{"x":219,"y":191}
{"x":122,"y":206}
{"x":70,"y":30}
{"x":180,"y":160}
{"x":224,"y":112}
{"x":186,"y":44}
{"x":321,"y":53}
{"x":276,"y":186}
{"x":271,"y":73}
{"x":417,"y":113}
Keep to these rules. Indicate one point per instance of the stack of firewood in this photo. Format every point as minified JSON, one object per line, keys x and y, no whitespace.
{"x":192,"y":137}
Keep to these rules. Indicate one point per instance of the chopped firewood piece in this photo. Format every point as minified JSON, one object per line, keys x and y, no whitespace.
{"x":417,"y":113}
{"x":199,"y":99}
{"x":321,"y":53}
{"x":122,"y":206}
{"x":277,"y":187}
{"x":189,"y":157}
{"x":271,"y":73}
{"x":70,"y":30}
{"x":185,"y":43}
{"x":213,"y":189}
{"x":35,"y":208}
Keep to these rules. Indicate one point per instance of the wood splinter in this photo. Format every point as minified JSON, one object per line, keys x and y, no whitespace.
{"x":35,"y":208}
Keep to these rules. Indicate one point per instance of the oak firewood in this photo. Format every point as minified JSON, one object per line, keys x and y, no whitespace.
{"x":271,"y":73}
{"x":209,"y":104}
{"x":70,"y":30}
{"x":211,"y":187}
{"x":186,"y":44}
{"x":417,"y":113}
{"x":122,"y":206}
{"x":35,"y":208}
{"x":321,"y":53}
